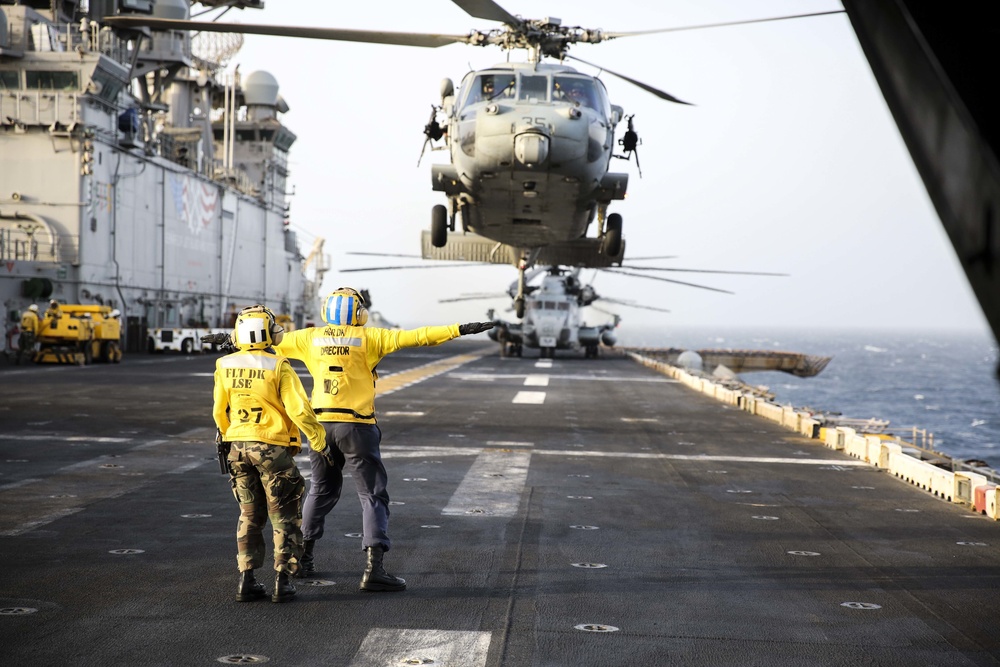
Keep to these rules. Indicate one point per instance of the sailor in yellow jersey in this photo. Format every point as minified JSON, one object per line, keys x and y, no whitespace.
{"x":259,"y":407}
{"x":341,"y":357}
{"x":29,"y":332}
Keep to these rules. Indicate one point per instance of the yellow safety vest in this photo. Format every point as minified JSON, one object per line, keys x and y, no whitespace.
{"x":342,"y":360}
{"x":29,"y":322}
{"x":259,"y":398}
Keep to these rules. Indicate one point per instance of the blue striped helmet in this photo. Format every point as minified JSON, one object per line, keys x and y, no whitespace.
{"x":345,"y":307}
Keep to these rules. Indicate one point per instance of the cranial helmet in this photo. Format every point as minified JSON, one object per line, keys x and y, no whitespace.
{"x":33,"y":308}
{"x":256,"y":329}
{"x":345,"y":306}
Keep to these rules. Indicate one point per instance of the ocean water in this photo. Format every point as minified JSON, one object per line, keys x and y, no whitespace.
{"x":941,"y":382}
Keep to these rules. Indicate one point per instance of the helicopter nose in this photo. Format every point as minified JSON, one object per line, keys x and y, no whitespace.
{"x":531,"y":148}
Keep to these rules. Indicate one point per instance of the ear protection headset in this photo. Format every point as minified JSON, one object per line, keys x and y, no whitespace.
{"x":345,"y":306}
{"x":256,"y":329}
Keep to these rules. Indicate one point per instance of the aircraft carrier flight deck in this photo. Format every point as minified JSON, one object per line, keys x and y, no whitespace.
{"x":545,"y":512}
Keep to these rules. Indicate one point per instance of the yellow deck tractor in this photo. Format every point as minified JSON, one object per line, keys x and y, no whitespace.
{"x":79,"y":334}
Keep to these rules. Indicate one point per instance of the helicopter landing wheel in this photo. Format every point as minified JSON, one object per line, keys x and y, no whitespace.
{"x":613,"y":235}
{"x":439,"y":226}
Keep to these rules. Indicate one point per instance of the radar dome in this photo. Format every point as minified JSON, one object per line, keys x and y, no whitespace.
{"x":171,"y":9}
{"x":691,"y":360}
{"x":260,"y":88}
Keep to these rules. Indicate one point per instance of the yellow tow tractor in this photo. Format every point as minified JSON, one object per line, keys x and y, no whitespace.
{"x":79,"y":334}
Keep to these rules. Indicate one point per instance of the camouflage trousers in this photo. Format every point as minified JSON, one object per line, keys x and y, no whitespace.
{"x":267,"y":485}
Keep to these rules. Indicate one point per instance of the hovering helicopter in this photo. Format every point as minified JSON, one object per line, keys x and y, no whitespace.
{"x":554,"y":318}
{"x":530,"y":143}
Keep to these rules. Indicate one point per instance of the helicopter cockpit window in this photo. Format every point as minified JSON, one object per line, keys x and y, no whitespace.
{"x":533,"y":88}
{"x":486,"y":87}
{"x":563,"y":306}
{"x":578,"y":91}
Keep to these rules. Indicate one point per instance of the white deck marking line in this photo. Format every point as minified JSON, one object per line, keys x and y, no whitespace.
{"x":580,"y":378}
{"x":402,"y":452}
{"x":508,"y":443}
{"x":702,"y":457}
{"x":187,"y":466}
{"x":448,"y":648}
{"x":17,"y":485}
{"x":493,"y":485}
{"x":47,"y":519}
{"x":536,"y":381}
{"x":14,"y":436}
{"x":544,"y":363}
{"x":529,"y":397}
{"x":401,"y":413}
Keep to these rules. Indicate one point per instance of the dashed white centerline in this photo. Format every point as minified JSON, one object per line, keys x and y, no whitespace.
{"x":536,"y":381}
{"x":529,"y":397}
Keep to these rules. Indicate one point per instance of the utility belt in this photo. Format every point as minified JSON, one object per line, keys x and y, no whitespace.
{"x":343,"y":411}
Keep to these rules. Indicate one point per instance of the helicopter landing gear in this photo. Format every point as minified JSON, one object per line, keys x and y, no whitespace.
{"x":510,"y":350}
{"x":439,"y":226}
{"x":519,"y":306}
{"x":590,"y":352}
{"x":613,"y":235}
{"x":547,"y":352}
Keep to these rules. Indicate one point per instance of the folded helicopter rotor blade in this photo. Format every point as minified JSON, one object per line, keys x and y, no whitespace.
{"x":615,"y":35}
{"x":649,"y":89}
{"x":736,"y":273}
{"x":394,"y":268}
{"x":339,"y":34}
{"x":488,"y":10}
{"x":667,"y":280}
{"x":632,"y":305}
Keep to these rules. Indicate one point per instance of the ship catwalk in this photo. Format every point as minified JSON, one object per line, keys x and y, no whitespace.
{"x":545,"y":512}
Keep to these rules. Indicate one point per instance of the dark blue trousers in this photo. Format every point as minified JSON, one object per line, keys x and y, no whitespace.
{"x":359,"y":444}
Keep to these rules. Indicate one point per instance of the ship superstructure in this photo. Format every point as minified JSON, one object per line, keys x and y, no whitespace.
{"x":134,"y":173}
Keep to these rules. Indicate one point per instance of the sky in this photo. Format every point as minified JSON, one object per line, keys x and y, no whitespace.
{"x":788,"y":161}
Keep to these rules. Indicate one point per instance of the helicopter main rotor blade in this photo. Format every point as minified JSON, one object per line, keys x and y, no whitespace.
{"x":632,"y":305}
{"x":667,"y":280}
{"x":476,"y":297}
{"x":737,"y":273}
{"x":615,"y":35}
{"x":649,"y":89}
{"x":488,"y":10}
{"x":393,"y":268}
{"x":384,"y":254}
{"x":368,"y":36}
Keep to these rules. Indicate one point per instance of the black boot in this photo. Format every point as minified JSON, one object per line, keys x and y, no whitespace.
{"x":250,"y":589}
{"x":284,"y":591}
{"x":375,"y":577}
{"x":307,"y":565}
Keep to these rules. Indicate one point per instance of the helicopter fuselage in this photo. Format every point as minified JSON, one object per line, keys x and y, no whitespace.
{"x":530,"y":146}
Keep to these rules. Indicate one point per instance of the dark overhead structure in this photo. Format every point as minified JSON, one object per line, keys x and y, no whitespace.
{"x":935,"y":63}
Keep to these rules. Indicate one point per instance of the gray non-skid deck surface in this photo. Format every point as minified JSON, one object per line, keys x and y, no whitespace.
{"x":777,"y":551}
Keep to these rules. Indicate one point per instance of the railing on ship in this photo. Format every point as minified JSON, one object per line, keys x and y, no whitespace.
{"x":922,"y":441}
{"x":63,"y":37}
{"x":20,"y":245}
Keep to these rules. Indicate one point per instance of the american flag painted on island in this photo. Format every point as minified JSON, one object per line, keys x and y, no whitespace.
{"x":195,"y":202}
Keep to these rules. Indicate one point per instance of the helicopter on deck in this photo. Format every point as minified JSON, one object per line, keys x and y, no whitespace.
{"x":554,"y":317}
{"x":530,"y":144}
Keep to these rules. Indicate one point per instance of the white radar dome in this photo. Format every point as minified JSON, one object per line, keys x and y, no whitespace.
{"x":171,"y":9}
{"x":260,"y":88}
{"x":691,"y":359}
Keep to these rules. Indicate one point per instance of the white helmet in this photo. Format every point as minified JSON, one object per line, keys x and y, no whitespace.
{"x":33,"y":308}
{"x":256,"y":329}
